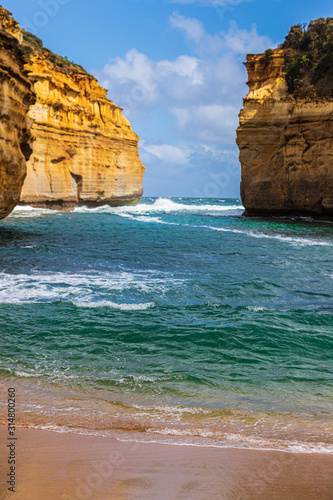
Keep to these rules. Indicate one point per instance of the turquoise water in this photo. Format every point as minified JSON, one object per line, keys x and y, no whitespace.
{"x":174,"y":319}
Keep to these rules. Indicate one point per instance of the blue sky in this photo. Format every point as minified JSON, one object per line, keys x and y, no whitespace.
{"x":175,"y":66}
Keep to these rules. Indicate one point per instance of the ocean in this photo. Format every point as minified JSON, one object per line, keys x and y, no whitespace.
{"x":176,"y":321}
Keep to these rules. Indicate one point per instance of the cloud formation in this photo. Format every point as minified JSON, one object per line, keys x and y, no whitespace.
{"x":200,"y":93}
{"x":168,"y":153}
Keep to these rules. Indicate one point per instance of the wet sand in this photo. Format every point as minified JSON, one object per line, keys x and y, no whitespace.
{"x":54,"y":466}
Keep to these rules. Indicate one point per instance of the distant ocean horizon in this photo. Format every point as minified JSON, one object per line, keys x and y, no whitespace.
{"x":176,"y":321}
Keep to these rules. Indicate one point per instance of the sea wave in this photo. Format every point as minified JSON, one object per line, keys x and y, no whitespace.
{"x":197,"y":437}
{"x":239,"y":440}
{"x":103,"y":414}
{"x":257,"y":308}
{"x":161,"y":205}
{"x":294,"y":240}
{"x":84,"y":290}
{"x":114,"y":305}
{"x":28,"y":211}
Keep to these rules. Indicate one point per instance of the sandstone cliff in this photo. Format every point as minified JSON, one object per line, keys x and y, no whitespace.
{"x":16,"y":96}
{"x":84,"y":150}
{"x":285,"y":143}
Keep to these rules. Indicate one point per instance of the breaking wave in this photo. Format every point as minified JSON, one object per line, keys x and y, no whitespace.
{"x":161,"y":205}
{"x":83,"y":290}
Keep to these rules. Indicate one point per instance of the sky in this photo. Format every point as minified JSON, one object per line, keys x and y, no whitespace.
{"x":176,"y":68}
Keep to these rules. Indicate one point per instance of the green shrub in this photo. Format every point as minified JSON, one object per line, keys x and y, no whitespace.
{"x":52,"y":58}
{"x":309,"y":62}
{"x":265,"y":58}
{"x":32,"y":40}
{"x":27,"y":51}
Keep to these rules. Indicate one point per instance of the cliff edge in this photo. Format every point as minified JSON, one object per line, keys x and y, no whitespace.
{"x":16,"y":96}
{"x":84,"y":150}
{"x":285,"y":138}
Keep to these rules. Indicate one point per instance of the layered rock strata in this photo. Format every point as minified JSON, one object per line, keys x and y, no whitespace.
{"x":285,"y":144}
{"x":16,"y":96}
{"x":85,"y":152}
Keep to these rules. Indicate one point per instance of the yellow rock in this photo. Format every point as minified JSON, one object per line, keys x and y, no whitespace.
{"x":84,"y":149}
{"x":85,"y":152}
{"x":286,"y":145}
{"x":8,"y":24}
{"x":16,"y":96}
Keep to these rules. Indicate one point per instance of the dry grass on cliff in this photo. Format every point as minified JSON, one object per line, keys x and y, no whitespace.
{"x":32,"y":45}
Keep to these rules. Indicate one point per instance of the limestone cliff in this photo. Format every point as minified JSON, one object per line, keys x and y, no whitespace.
{"x":8,"y":24}
{"x":84,"y":150}
{"x":285,"y":143}
{"x":16,"y":96}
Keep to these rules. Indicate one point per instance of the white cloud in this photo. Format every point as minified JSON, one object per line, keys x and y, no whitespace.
{"x":203,"y":93}
{"x":193,"y":28}
{"x":168,"y":153}
{"x":211,"y":122}
{"x":183,"y":66}
{"x":200,"y":94}
{"x":207,"y":170}
{"x":138,"y":83}
{"x":195,"y":32}
{"x":186,"y":154}
{"x":130,"y":80}
{"x":244,"y":41}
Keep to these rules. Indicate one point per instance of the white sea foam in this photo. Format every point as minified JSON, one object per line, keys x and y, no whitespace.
{"x":294,"y":240}
{"x":85,"y":290}
{"x":114,"y":305}
{"x":238,"y":440}
{"x":28,"y":211}
{"x":147,"y":218}
{"x":200,"y":438}
{"x":257,"y":309}
{"x":164,"y":205}
{"x":141,"y":378}
{"x":21,"y":373}
{"x":161,"y":205}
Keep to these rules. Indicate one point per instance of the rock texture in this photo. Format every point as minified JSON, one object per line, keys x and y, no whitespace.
{"x":286,"y":145}
{"x":8,"y":24}
{"x":16,"y":96}
{"x":85,"y":152}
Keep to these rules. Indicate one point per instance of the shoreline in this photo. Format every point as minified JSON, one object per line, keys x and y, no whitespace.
{"x":66,"y":466}
{"x":67,"y":410}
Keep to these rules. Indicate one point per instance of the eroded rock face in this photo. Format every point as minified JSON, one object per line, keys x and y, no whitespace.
{"x":85,"y":152}
{"x":8,"y":24}
{"x":16,"y":96}
{"x":286,"y":145}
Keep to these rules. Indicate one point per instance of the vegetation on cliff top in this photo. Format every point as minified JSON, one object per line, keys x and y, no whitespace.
{"x":309,"y":62}
{"x":34,"y":45}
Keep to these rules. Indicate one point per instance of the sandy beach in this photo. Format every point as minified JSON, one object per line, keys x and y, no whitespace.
{"x":68,"y":466}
